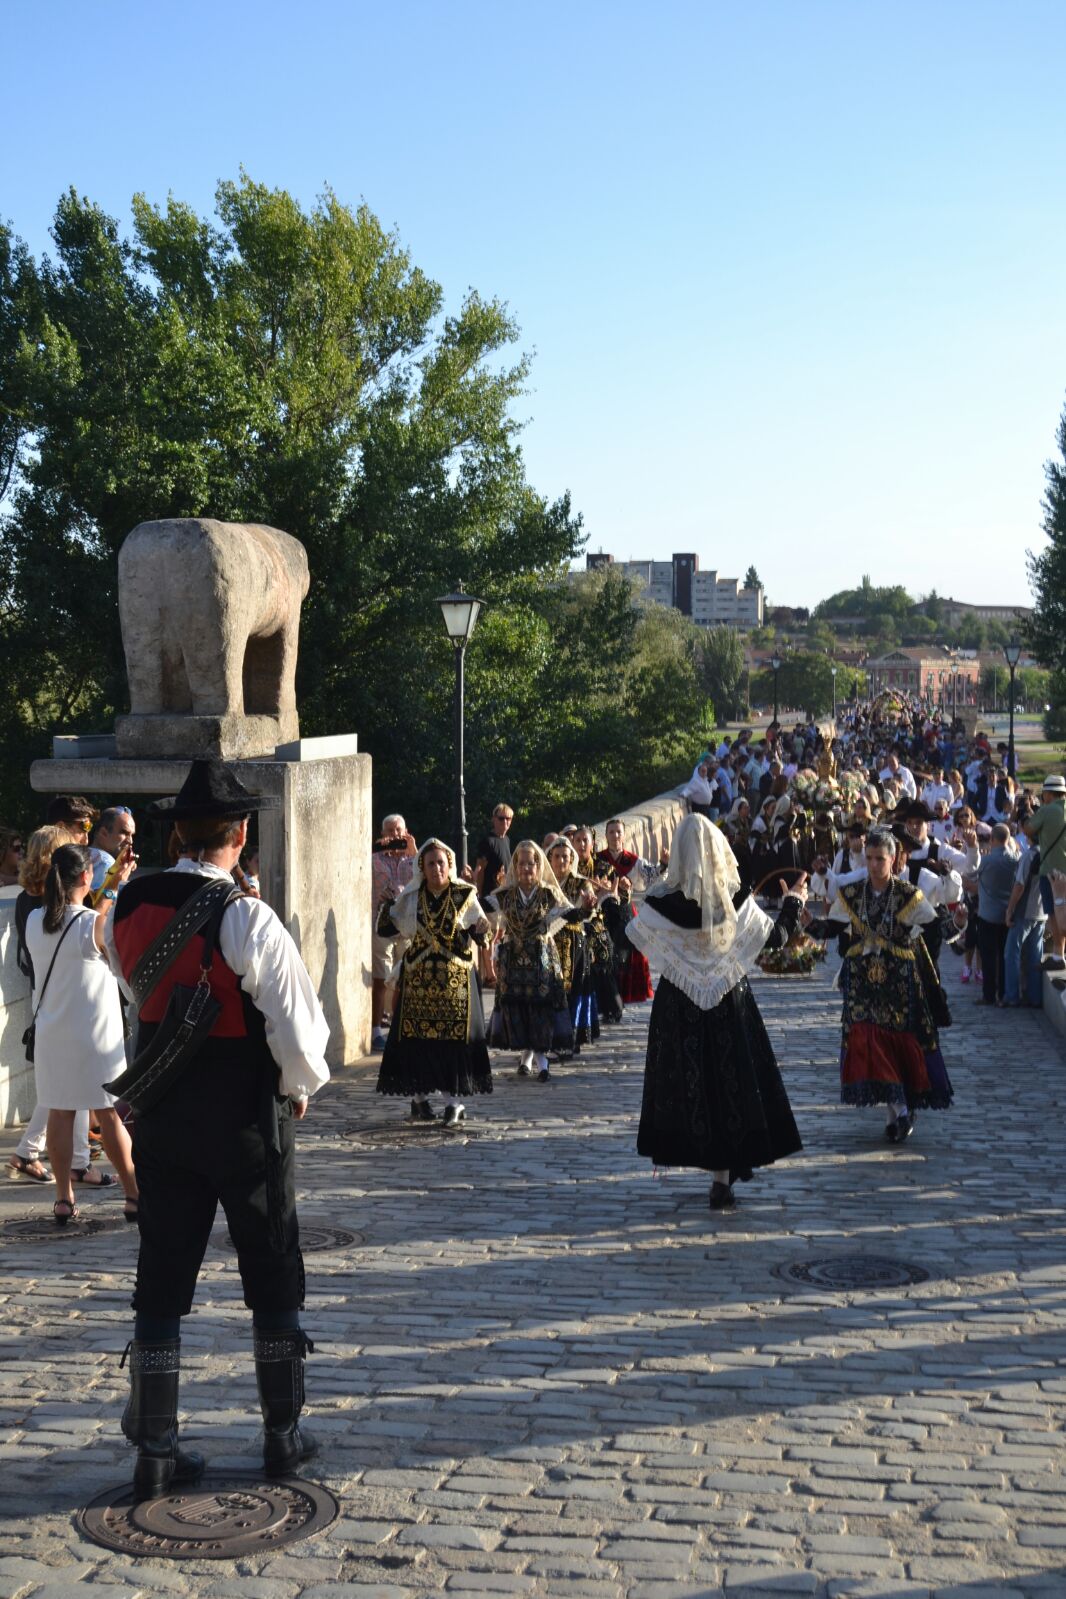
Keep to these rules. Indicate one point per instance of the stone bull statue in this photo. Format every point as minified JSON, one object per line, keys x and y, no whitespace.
{"x":210,"y":615}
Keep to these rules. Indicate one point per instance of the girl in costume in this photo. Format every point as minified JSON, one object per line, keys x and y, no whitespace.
{"x":713,"y":1095}
{"x":626,"y":868}
{"x":572,"y":943}
{"x":531,"y":1012}
{"x":890,"y":1049}
{"x":436,"y":1043}
{"x":598,"y":941}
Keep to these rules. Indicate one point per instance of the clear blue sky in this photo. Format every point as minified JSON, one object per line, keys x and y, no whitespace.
{"x":792,"y":273}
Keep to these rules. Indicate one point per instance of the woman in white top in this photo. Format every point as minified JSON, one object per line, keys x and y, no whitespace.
{"x":78,"y":1045}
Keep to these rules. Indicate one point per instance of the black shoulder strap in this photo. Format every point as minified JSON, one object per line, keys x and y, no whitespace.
{"x":51,"y":963}
{"x":207,"y":903}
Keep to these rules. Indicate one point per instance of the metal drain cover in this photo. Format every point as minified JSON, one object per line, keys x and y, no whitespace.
{"x":218,"y":1518}
{"x":314,"y":1239}
{"x":846,"y":1272}
{"x":404,"y":1134}
{"x":42,"y":1229}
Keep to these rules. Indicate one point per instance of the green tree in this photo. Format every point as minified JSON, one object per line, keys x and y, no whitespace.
{"x":752,"y":580}
{"x":280,"y":365}
{"x":1045,"y":629}
{"x":720,"y":658}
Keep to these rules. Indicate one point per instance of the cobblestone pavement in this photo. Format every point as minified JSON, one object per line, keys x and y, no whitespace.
{"x":542,"y":1371}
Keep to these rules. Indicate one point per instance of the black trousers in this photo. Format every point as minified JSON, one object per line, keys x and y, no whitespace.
{"x":213,"y":1140}
{"x":992,"y":942}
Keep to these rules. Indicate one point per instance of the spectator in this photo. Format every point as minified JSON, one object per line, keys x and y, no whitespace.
{"x":995,"y":881}
{"x":11,"y":852}
{"x":27,"y":1161}
{"x":74,"y":812}
{"x":1047,"y":829}
{"x":492,"y":854}
{"x":1026,"y":921}
{"x":391,"y":868}
{"x":699,"y":790}
{"x":114,"y":832}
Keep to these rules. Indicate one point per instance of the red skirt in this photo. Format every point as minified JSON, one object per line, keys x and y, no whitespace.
{"x":634,"y":980}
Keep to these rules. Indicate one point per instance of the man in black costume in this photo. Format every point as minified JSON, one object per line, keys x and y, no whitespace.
{"x":223,"y":1129}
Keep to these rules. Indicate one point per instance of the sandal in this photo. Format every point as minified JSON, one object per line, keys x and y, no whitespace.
{"x":19,"y":1166}
{"x":63,"y":1211}
{"x":93,"y":1179}
{"x":129,"y":1209}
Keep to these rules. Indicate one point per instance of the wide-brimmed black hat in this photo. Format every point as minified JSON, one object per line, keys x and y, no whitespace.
{"x":211,"y":789}
{"x":918,"y":811}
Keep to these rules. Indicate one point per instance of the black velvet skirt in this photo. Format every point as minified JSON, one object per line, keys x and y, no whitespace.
{"x":713,"y":1094}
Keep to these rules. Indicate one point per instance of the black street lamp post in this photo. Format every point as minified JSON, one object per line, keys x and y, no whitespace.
{"x":954,"y":687}
{"x":775,"y":667}
{"x":833,"y":675}
{"x":460,"y":612}
{"x":1013,"y":653}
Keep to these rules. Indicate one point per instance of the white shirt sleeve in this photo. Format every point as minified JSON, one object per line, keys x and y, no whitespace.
{"x":256,"y":946}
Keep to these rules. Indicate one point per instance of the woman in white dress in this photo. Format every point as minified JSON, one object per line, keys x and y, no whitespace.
{"x":78,"y":1045}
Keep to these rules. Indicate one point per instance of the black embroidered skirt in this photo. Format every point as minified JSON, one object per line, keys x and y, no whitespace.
{"x":713,"y":1094}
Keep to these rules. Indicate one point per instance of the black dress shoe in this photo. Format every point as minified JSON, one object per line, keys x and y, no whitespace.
{"x":453,"y":1115}
{"x":722,"y":1197}
{"x":904,"y":1129}
{"x":422,"y":1111}
{"x":892,"y":1132}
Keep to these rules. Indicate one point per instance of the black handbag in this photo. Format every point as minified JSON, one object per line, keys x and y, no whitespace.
{"x":192,"y":1010}
{"x":29,"y":1037}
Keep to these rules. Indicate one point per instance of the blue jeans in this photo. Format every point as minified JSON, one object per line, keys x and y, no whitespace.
{"x":1025,"y":946}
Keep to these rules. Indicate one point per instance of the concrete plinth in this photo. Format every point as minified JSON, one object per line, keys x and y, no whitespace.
{"x":236,"y":737}
{"x":314,"y":862}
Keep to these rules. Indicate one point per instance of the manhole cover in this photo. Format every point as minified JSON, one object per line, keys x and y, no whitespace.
{"x":399,"y":1135}
{"x":42,"y":1229}
{"x":314,"y":1239}
{"x":845,"y":1272}
{"x":218,"y":1518}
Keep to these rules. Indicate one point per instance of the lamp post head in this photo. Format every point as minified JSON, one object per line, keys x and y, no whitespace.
{"x":833,"y":671}
{"x":460,"y":611}
{"x":1012,"y":652}
{"x":775,"y":663}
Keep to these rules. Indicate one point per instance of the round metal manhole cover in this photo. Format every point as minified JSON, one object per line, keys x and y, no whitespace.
{"x":314,"y":1239}
{"x":843,"y":1273}
{"x":406,"y":1135}
{"x":42,"y":1229}
{"x":218,"y":1518}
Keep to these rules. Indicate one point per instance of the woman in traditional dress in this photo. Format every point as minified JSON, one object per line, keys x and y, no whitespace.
{"x":436,"y":1042}
{"x":713,"y":1095}
{"x":531,"y":1012}
{"x":599,"y":945}
{"x":890,"y":1049}
{"x":572,"y":944}
{"x":627,"y":869}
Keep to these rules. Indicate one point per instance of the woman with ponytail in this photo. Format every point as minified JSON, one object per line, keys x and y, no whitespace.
{"x":78,"y":1043}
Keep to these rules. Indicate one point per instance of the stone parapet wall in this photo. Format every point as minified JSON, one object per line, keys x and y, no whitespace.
{"x":650,"y":827}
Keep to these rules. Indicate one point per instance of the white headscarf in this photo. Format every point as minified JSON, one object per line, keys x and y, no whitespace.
{"x":707,"y":962}
{"x":405,"y":911}
{"x":704,"y":869}
{"x":547,"y":876}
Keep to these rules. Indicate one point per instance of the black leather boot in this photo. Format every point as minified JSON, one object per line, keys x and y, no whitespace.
{"x":279,"y":1376}
{"x":150,"y":1419}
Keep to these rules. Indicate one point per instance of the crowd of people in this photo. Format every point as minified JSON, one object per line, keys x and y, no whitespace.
{"x":891,"y":833}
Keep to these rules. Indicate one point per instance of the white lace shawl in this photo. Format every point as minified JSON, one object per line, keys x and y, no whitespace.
{"x":404,"y":913}
{"x":687,"y":958}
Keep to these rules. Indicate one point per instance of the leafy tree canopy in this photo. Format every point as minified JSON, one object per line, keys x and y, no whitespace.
{"x":295,"y":367}
{"x":1046,"y":628}
{"x":867,"y":600}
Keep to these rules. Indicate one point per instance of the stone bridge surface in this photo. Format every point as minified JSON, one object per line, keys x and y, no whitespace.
{"x":541,"y":1371}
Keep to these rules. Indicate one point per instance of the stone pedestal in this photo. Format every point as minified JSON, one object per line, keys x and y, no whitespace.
{"x":314,"y":860}
{"x":234,"y":738}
